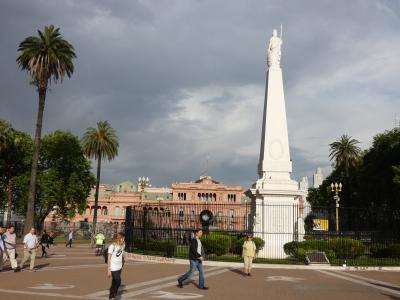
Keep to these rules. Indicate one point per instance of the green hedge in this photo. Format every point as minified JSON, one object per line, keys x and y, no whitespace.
{"x":335,"y":248}
{"x":217,"y":243}
{"x":166,"y":246}
{"x":385,"y":251}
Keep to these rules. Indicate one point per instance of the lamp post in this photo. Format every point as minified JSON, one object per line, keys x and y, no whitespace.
{"x":246,"y":224}
{"x":337,"y":188}
{"x":143,"y":182}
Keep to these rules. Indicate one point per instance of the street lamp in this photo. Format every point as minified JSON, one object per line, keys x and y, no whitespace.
{"x":337,"y":188}
{"x":143,"y":182}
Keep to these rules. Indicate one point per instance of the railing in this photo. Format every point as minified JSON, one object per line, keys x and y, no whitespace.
{"x":288,"y":238}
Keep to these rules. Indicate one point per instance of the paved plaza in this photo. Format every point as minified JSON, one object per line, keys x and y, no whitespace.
{"x":77,"y":274}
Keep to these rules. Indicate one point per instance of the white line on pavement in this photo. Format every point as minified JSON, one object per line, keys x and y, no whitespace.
{"x":388,"y":284}
{"x":168,"y":284}
{"x":140,"y":284}
{"x":387,"y":290}
{"x":57,"y":295}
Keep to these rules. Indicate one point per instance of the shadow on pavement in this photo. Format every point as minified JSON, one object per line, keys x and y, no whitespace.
{"x":391,"y":297}
{"x":237,"y":271}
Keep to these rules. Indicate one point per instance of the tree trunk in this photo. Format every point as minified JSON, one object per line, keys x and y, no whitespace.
{"x":9,"y":200}
{"x":29,"y":219}
{"x":96,"y":196}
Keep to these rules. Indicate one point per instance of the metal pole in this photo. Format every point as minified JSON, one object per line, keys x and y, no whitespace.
{"x":337,"y":214}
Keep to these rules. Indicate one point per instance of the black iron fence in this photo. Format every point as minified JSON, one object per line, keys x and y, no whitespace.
{"x":362,"y":238}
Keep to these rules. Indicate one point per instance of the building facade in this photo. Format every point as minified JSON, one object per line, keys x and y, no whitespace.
{"x":318,"y":178}
{"x":177,"y":207}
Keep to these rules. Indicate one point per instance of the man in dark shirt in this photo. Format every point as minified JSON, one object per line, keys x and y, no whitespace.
{"x":196,"y":258}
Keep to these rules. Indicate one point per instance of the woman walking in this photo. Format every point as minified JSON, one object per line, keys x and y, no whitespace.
{"x":44,"y":241}
{"x":115,"y":262}
{"x":248,"y":254}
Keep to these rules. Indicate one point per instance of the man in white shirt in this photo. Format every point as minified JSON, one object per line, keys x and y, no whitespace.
{"x":30,"y":244}
{"x":9,"y":244}
{"x":70,"y":238}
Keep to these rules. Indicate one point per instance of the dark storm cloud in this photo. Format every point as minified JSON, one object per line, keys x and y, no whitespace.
{"x":182,"y":80}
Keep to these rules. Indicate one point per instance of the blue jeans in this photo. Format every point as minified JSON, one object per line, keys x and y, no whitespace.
{"x":194,"y":264}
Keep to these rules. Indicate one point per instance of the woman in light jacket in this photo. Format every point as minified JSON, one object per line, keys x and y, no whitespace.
{"x":248,"y":254}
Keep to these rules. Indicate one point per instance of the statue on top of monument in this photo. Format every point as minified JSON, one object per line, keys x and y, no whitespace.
{"x":274,"y":50}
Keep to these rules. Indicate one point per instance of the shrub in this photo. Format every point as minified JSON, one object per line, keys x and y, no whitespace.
{"x":346,"y":248}
{"x":217,"y":243}
{"x":335,"y":248}
{"x":166,"y":246}
{"x":383,"y":251}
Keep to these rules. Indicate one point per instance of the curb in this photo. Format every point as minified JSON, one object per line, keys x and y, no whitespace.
{"x":179,"y":261}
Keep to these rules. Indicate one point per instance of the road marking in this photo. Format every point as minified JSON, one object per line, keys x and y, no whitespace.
{"x":168,"y":295}
{"x":391,"y":285}
{"x":51,"y":286}
{"x":49,"y":294}
{"x":374,"y":286}
{"x":165,"y":285}
{"x":283,"y":278}
{"x":141,"y":284}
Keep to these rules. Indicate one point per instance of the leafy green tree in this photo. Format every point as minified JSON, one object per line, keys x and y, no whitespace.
{"x":5,"y":128}
{"x":345,"y":153}
{"x":15,"y":159}
{"x":46,"y":57}
{"x":378,"y":176}
{"x":100,"y":143}
{"x":65,"y":179}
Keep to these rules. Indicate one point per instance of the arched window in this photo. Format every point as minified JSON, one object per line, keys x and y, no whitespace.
{"x":199,"y":196}
{"x":104,"y":211}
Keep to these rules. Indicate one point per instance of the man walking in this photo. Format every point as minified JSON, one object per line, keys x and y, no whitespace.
{"x":70,"y":238}
{"x":196,"y":258}
{"x":9,"y":244}
{"x":30,"y":245}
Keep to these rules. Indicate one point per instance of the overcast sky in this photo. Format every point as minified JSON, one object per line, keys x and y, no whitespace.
{"x":183,"y":81}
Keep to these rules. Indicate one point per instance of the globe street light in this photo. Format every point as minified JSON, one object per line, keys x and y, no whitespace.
{"x":337,"y":188}
{"x":143,"y":182}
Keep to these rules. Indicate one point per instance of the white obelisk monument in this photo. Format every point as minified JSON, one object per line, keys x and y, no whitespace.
{"x":275,"y":195}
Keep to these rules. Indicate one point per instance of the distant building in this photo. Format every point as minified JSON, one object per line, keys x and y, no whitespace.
{"x":183,"y":201}
{"x":303,"y":184}
{"x":318,"y":178}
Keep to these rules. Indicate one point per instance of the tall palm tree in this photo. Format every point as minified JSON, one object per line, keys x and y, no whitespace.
{"x":100,"y":143}
{"x":45,"y":57}
{"x":345,"y":153}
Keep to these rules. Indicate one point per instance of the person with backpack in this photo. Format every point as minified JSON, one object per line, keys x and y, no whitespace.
{"x":115,"y":262}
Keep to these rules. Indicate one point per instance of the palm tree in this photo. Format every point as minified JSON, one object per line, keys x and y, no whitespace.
{"x":100,"y":143}
{"x":345,"y":153}
{"x":46,"y":57}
